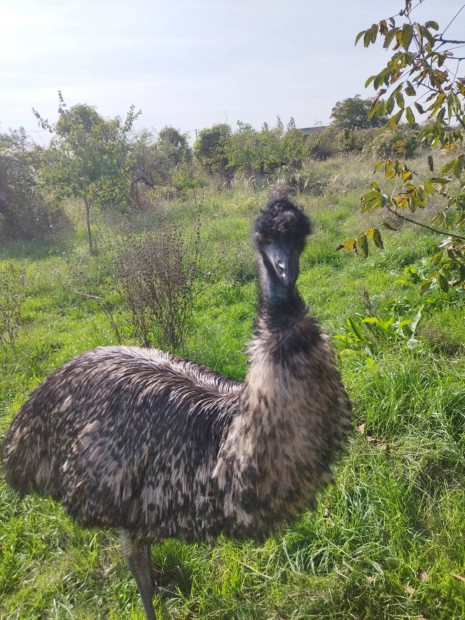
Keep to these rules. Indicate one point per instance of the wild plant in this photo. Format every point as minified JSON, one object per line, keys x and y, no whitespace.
{"x":12,"y":294}
{"x":156,"y":274}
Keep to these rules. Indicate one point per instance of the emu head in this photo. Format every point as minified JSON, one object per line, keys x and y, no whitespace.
{"x":280,"y":232}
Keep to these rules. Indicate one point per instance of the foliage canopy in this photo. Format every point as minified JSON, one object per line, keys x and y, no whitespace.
{"x":353,"y":113}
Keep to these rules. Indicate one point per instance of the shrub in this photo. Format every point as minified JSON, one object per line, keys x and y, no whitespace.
{"x":156,"y":275}
{"x":12,"y":294}
{"x":24,"y":213}
{"x":401,"y":143}
{"x":324,"y":144}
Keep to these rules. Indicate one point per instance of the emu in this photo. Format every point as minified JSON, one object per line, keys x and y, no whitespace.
{"x":156,"y":446}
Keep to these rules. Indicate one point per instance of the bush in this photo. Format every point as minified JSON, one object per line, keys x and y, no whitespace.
{"x":398,"y":143}
{"x":324,"y":144}
{"x":356,"y":140}
{"x":24,"y":213}
{"x":156,"y":274}
{"x":12,"y":294}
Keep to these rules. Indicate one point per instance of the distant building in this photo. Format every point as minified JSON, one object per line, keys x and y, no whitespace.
{"x":308,"y":131}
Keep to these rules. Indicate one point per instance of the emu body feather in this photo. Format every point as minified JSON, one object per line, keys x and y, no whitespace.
{"x":140,"y":440}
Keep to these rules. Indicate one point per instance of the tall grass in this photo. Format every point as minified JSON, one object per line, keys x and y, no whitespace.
{"x":385,"y":541}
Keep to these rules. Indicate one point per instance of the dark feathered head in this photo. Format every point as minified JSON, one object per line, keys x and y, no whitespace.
{"x":280,"y":232}
{"x":283,"y":222}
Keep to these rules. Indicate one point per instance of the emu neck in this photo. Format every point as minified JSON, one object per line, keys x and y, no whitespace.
{"x":266,"y":465}
{"x":278,"y":306}
{"x":269,"y":466}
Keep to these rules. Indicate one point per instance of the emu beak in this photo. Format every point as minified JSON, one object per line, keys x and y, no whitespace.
{"x":285,"y":263}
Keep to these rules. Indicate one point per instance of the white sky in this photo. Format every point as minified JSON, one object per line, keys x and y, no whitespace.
{"x":192,"y":63}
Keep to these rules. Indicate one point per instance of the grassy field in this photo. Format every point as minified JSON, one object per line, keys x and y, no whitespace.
{"x":387,"y":539}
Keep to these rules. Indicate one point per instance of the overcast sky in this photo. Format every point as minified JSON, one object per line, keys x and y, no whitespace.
{"x":191,"y":63}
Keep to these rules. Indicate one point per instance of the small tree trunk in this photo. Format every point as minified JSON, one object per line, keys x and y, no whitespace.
{"x":89,"y":231}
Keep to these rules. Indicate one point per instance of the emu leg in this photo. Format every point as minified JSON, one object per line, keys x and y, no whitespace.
{"x":139,"y":561}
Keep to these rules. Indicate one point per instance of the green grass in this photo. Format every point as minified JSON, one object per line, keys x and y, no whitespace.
{"x":385,"y":541}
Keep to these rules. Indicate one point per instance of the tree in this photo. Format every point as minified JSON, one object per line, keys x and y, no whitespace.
{"x":244,"y":150}
{"x":154,"y":161}
{"x":353,"y":113}
{"x":294,"y":146}
{"x":422,"y":80}
{"x":24,"y":213}
{"x":88,"y":158}
{"x":172,"y":151}
{"x":210,"y":148}
{"x":144,"y":160}
{"x":174,"y":144}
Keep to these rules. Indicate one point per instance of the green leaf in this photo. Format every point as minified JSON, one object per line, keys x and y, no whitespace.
{"x":427,"y":35}
{"x":356,"y":329}
{"x":443,"y":283}
{"x":450,"y":166}
{"x":425,"y":286}
{"x":371,"y":200}
{"x":429,"y":187}
{"x":372,"y":111}
{"x":362,"y":244}
{"x":410,"y":116}
{"x":359,"y":36}
{"x":396,"y":118}
{"x":407,"y":33}
{"x":400,"y":99}
{"x":389,"y":37}
{"x":375,"y":234}
{"x":436,"y":259}
{"x":409,"y":90}
{"x":390,"y":103}
{"x":370,"y":80}
{"x":366,"y":38}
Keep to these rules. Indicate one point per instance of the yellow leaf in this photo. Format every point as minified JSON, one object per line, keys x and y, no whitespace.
{"x":350,"y":245}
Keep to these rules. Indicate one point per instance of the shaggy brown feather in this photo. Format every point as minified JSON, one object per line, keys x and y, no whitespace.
{"x":141,"y":440}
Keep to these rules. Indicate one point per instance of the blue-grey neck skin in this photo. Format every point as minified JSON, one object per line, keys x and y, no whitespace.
{"x":278,"y":266}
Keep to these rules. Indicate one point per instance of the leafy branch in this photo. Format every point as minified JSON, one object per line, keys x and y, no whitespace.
{"x":420,"y":81}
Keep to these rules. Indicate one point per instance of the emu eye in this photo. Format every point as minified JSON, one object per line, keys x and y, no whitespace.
{"x":265,"y":239}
